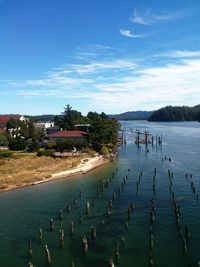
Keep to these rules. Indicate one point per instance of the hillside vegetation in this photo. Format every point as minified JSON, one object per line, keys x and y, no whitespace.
{"x":176,"y":113}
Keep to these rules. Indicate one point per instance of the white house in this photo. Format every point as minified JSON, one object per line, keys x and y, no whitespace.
{"x":44,"y":125}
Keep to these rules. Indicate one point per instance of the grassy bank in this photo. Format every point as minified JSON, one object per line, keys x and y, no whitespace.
{"x":25,"y":168}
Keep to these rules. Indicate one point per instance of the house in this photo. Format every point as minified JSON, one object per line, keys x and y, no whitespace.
{"x":44,"y":125}
{"x":4,"y":119}
{"x":64,"y":136}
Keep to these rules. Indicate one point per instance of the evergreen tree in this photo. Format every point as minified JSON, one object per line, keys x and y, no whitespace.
{"x":67,"y":120}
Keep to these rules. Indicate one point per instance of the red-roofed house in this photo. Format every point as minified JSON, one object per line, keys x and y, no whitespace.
{"x":63,"y":136}
{"x":4,"y":119}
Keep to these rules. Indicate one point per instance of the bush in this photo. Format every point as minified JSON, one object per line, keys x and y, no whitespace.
{"x":47,"y":153}
{"x":17,"y":144}
{"x":3,"y":139}
{"x":104,"y":150}
{"x":5,"y":154}
{"x":33,"y":146}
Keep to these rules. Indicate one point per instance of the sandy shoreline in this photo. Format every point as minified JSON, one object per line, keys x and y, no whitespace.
{"x":86,"y":165}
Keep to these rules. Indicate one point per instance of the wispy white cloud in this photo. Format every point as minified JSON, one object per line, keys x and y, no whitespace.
{"x":101,"y":66}
{"x":121,"y":84}
{"x":92,"y":51}
{"x":76,"y":75}
{"x":151,"y":88}
{"x":143,"y":19}
{"x":128,"y":33}
{"x":53,"y":80}
{"x":181,"y":54}
{"x":149,"y":18}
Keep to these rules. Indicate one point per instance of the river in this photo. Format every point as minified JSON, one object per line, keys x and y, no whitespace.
{"x":24,"y":211}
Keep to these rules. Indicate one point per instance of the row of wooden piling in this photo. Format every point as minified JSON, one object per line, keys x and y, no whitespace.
{"x":71,"y":224}
{"x":186,"y":234}
{"x":192,"y":184}
{"x":108,"y":211}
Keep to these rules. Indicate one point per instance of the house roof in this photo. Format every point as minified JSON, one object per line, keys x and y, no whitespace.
{"x":68,"y":134}
{"x":5,"y":118}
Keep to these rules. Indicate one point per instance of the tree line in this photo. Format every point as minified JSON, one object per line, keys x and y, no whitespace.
{"x":176,"y":113}
{"x":102,"y":132}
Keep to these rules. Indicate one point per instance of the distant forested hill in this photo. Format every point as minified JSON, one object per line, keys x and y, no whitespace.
{"x":132,"y":115}
{"x":47,"y":117}
{"x":168,"y":113}
{"x":176,"y":113}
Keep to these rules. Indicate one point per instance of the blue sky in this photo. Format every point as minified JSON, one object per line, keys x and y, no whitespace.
{"x":105,"y":55}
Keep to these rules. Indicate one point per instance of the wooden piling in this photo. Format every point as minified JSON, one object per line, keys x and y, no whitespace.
{"x":61,"y":214}
{"x":40,"y":235}
{"x":52,"y":226}
{"x":47,"y":255}
{"x":30,"y":251}
{"x":93,"y":232}
{"x":71,"y":228}
{"x":85,"y":245}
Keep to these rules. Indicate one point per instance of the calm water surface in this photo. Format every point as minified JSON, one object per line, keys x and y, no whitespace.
{"x":23,"y":212}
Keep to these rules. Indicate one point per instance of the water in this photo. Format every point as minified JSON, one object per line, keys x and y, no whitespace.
{"x":24,"y":211}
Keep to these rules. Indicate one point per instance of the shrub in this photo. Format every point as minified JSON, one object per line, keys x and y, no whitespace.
{"x":3,"y":139}
{"x":33,"y":146}
{"x":47,"y":153}
{"x":104,"y":150}
{"x":5,"y":154}
{"x":17,"y":144}
{"x":89,"y":151}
